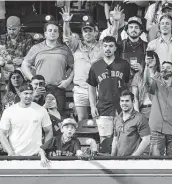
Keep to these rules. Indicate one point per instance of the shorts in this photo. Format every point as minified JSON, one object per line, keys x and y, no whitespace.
{"x":105,"y":125}
{"x":161,"y":144}
{"x":80,"y":97}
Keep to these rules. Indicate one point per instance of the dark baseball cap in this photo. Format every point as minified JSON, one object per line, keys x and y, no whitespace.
{"x":25,"y":87}
{"x":136,"y":20}
{"x":87,"y":22}
{"x":166,"y":5}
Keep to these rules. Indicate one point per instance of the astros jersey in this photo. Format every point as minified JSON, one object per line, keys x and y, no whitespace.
{"x":111,"y":81}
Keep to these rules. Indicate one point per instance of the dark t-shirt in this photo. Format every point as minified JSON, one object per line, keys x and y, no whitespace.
{"x":55,"y":144}
{"x":111,"y":81}
{"x":127,"y":49}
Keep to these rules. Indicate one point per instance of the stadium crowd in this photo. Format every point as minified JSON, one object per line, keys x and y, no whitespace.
{"x":121,"y":75}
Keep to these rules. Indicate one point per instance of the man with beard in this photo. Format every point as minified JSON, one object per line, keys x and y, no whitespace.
{"x":133,"y":48}
{"x":163,"y":44}
{"x":21,"y":125}
{"x":109,"y":76}
{"x":131,"y":129}
{"x":160,"y":119}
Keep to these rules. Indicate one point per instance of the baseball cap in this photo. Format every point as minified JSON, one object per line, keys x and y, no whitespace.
{"x":136,"y":20}
{"x":87,"y":22}
{"x":69,"y":121}
{"x":166,"y":5}
{"x":25,"y":86}
{"x":13,"y":21}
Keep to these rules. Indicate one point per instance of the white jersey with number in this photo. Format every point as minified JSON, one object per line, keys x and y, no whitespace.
{"x":25,"y":127}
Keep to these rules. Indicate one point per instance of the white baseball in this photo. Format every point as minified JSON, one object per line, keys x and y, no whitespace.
{"x":90,"y":122}
{"x":88,"y":141}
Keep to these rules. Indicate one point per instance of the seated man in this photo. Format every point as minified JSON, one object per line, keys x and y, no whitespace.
{"x":39,"y":91}
{"x":48,"y":101}
{"x":131,"y":129}
{"x":21,"y":125}
{"x":14,"y":47}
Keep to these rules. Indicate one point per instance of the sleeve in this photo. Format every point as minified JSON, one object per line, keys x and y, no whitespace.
{"x":127,"y":72}
{"x":29,"y":44}
{"x":70,"y":59}
{"x":49,"y":145}
{"x":30,"y":57}
{"x":72,"y":42}
{"x":5,"y":122}
{"x":46,"y":119}
{"x":77,"y":145}
{"x":92,"y":80}
{"x":151,"y":45}
{"x":143,"y":127}
{"x":114,"y":130}
{"x":150,"y":12}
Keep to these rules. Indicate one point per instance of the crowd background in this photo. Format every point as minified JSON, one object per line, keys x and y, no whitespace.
{"x":98,"y":70}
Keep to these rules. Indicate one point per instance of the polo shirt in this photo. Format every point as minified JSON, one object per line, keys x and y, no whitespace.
{"x":56,"y":144}
{"x":162,"y":48}
{"x":51,"y":63}
{"x":129,"y":132}
{"x":111,"y":80}
{"x":161,"y":112}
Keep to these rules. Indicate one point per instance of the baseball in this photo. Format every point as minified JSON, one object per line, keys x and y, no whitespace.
{"x":90,"y":122}
{"x":88,"y":141}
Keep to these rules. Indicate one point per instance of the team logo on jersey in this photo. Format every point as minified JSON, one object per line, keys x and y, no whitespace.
{"x":105,"y":75}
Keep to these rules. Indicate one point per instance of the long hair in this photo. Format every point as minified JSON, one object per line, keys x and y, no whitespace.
{"x":155,"y":55}
{"x":10,"y":86}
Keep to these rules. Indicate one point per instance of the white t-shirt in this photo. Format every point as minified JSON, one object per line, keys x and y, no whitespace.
{"x":150,"y":13}
{"x":25,"y":127}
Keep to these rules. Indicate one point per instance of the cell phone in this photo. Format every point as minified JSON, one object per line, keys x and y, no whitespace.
{"x":149,"y":54}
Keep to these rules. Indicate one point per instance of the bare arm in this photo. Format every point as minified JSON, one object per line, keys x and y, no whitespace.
{"x":135,"y":91}
{"x":48,"y":132}
{"x":142,"y":146}
{"x":26,"y":68}
{"x":66,"y":19}
{"x":114,"y":146}
{"x":93,"y":99}
{"x":5,"y":142}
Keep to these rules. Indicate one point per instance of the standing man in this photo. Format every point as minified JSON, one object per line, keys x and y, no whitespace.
{"x":86,"y":52}
{"x":163,"y":44}
{"x":15,"y":45}
{"x":160,"y":120}
{"x":23,"y":123}
{"x":51,"y":60}
{"x":133,"y":48}
{"x":131,"y":129}
{"x":109,"y":76}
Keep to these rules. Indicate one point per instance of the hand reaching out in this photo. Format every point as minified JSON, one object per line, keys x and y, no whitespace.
{"x":66,"y":14}
{"x":117,"y":12}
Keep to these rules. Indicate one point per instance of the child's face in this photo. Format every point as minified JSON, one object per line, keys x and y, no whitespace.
{"x":68,"y":130}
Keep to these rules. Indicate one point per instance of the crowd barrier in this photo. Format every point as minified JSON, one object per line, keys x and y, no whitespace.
{"x":70,"y":170}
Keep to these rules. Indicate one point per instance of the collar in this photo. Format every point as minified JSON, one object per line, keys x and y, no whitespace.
{"x":132,"y":115}
{"x":163,"y":41}
{"x":85,"y":46}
